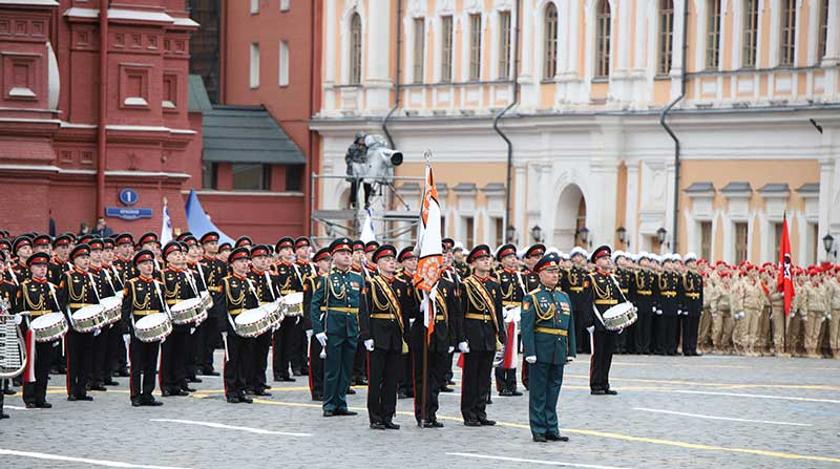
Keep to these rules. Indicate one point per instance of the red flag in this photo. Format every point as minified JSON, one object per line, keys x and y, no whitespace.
{"x":429,"y":250}
{"x":785,"y":279}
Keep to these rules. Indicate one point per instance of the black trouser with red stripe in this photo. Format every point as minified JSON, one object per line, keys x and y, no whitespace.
{"x":175,"y":353}
{"x":603,"y":345}
{"x":235,"y":367}
{"x":475,"y":384}
{"x":36,"y":393}
{"x":143,"y":357}
{"x":102,"y":349}
{"x":284,"y":347}
{"x":258,"y":363}
{"x":79,"y":352}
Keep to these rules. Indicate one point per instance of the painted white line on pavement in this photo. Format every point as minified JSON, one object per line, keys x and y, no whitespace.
{"x":259,"y":431}
{"x":533,"y":461}
{"x":712,"y":417}
{"x":14,"y":407}
{"x":92,"y":462}
{"x":758,"y":396}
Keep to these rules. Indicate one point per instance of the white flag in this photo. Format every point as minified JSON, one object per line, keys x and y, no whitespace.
{"x":368,"y":233}
{"x":166,"y":226}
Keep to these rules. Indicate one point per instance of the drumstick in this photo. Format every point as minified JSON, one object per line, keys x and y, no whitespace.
{"x":225,"y":344}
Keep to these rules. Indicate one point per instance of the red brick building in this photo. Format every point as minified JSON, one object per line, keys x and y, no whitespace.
{"x":79,"y":123}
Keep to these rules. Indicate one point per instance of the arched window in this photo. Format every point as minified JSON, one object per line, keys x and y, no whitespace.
{"x":666,"y":36}
{"x":823,"y":33}
{"x":602,"y":40}
{"x":712,"y":34}
{"x":788,"y":46}
{"x":355,"y":49}
{"x":550,"y":42}
{"x":750,"y":33}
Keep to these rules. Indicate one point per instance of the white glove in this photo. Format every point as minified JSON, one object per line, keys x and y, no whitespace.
{"x":18,"y":319}
{"x":126,"y":338}
{"x":531,"y":359}
{"x":97,"y":332}
{"x":464,"y":347}
{"x":570,"y":359}
{"x":451,"y":349}
{"x":297,"y":319}
{"x":322,"y":338}
{"x":590,"y":329}
{"x":369,"y":345}
{"x":308,"y":335}
{"x":659,"y":312}
{"x":192,"y":330}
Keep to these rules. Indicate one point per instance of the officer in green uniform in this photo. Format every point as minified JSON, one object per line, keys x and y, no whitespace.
{"x":340,"y":298}
{"x":549,"y":343}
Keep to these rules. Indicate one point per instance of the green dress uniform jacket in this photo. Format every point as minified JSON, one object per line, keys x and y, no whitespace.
{"x":548,"y":326}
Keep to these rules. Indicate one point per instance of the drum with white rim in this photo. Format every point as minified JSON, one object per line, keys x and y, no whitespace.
{"x":293,"y":304}
{"x":49,"y":327}
{"x":620,"y":316}
{"x":113,"y":308}
{"x":89,"y":318}
{"x":152,"y":328}
{"x":190,"y":311}
{"x":253,"y":322}
{"x":275,"y":312}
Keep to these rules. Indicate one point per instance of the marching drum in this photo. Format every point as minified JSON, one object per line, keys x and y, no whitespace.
{"x":191,"y":311}
{"x":620,"y":316}
{"x":206,"y":300}
{"x":293,"y":304}
{"x":48,"y":327}
{"x":152,"y":328}
{"x":275,"y":312}
{"x":89,"y":318}
{"x":113,"y":308}
{"x":253,"y":322}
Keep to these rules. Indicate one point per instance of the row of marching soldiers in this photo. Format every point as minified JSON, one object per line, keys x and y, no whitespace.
{"x":58,"y":289}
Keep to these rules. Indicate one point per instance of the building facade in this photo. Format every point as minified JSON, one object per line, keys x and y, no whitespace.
{"x":580,"y":86}
{"x":92,"y":105}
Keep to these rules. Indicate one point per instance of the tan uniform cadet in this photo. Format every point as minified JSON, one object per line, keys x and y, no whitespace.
{"x":748,"y":298}
{"x":798,"y":318}
{"x":833,"y":286}
{"x":777,"y":315}
{"x":723,"y":322}
{"x":817,"y":306}
{"x":704,"y":335}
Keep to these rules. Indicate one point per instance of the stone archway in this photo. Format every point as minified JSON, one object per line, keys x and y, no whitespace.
{"x":569,"y":217}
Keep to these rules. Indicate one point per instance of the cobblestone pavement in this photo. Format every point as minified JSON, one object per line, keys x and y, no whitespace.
{"x":709,"y":411}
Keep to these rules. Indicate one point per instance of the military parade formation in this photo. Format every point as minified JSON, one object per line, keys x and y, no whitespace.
{"x":350,"y":314}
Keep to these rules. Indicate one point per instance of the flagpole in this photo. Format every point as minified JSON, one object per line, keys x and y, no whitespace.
{"x":425,"y":391}
{"x":785,"y":314}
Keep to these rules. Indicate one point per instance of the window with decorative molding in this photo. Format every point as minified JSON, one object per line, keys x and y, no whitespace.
{"x":777,"y":239}
{"x":355,"y":49}
{"x":666,"y":36}
{"x":706,"y":240}
{"x":255,"y":65}
{"x":550,"y":42}
{"x":712,"y":34}
{"x":251,"y":176}
{"x":822,"y":38}
{"x":469,"y":232}
{"x":498,"y":231}
{"x":209,"y":175}
{"x":283,"y":61}
{"x":504,"y":45}
{"x":419,"y":49}
{"x":750,"y":39}
{"x":475,"y":46}
{"x":170,"y":91}
{"x":741,"y":241}
{"x":446,"y":49}
{"x":787,"y":49}
{"x":602,"y":43}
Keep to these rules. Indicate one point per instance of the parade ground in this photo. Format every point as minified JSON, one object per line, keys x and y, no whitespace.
{"x":711,"y":411}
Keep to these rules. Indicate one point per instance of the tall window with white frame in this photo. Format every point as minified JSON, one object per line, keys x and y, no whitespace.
{"x":706,"y":240}
{"x":666,"y":36}
{"x":787,"y":49}
{"x":254,"y":72}
{"x":469,"y":232}
{"x":475,"y":46}
{"x":741,"y":241}
{"x":550,"y":42}
{"x":419,"y":49}
{"x":498,"y":231}
{"x":750,"y":37}
{"x":446,"y":48}
{"x":602,"y":39}
{"x":355,"y":49}
{"x":504,"y":45}
{"x":823,"y":32}
{"x":712,"y":34}
{"x":283,"y":64}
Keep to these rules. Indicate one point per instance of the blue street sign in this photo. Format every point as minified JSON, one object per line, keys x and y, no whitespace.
{"x":129,"y":197}
{"x":128,"y":213}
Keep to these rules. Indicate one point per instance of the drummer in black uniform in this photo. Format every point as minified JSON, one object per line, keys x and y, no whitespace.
{"x":143,"y":296}
{"x":175,"y":350}
{"x":238,"y":298}
{"x":574,"y":283}
{"x":215,"y":269}
{"x":37,"y":297}
{"x":603,"y":293}
{"x":512,"y":282}
{"x":266,"y":288}
{"x":76,"y":291}
{"x":408,"y":265}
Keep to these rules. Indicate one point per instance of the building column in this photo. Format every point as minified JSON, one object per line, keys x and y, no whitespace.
{"x":829,"y":215}
{"x":632,"y":206}
{"x":677,"y":49}
{"x":519,"y":218}
{"x":377,"y":55}
{"x":328,"y":105}
{"x":529,"y":84}
{"x":832,"y":50}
